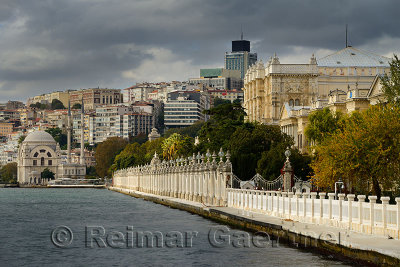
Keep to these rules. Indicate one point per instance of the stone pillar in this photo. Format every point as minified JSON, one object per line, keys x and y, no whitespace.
{"x":278,"y":196}
{"x":341,"y":198}
{"x":290,"y":196}
{"x":331,"y":197}
{"x":321,"y":206}
{"x":298,"y":194}
{"x":372,"y":201}
{"x":313,"y":197}
{"x":284,"y":197}
{"x":350,"y":199}
{"x":305,"y":196}
{"x":385,"y":202}
{"x":361,"y":200}
{"x":398,"y":216}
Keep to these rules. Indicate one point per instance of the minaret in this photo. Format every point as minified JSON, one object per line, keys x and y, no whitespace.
{"x":69,"y":133}
{"x":82,"y":157}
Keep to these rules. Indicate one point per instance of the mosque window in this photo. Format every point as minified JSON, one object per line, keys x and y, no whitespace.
{"x":36,"y":154}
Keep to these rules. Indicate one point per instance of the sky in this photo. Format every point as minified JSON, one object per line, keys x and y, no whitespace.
{"x":52,"y":45}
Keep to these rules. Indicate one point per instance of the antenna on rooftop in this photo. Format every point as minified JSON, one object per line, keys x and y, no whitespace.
{"x":346,"y":37}
{"x":241,"y":32}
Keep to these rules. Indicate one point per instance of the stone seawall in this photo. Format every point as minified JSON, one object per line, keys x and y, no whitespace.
{"x":342,"y":245}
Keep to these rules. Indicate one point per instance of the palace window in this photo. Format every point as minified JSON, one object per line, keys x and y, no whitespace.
{"x":49,"y":154}
{"x":34,"y":162}
{"x":41,"y":161}
{"x":291,"y":102}
{"x":50,"y":162}
{"x":297,"y":102}
{"x":36,"y":154}
{"x":42,"y":150}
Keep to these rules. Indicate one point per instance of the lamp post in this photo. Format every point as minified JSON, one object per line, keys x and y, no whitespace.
{"x":341,"y":186}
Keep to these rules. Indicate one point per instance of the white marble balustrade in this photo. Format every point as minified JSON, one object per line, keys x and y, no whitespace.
{"x":345,"y":212}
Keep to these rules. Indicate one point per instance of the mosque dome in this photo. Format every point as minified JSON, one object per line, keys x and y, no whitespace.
{"x":39,"y":136}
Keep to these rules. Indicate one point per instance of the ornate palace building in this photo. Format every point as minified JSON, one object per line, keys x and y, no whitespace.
{"x":267,"y":88}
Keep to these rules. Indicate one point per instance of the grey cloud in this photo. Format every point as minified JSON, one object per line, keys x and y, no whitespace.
{"x":82,"y":43}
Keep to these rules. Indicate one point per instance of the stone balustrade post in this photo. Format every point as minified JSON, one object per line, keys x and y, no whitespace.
{"x":361,"y":200}
{"x":398,"y":216}
{"x":284,"y":198}
{"x":290,"y":196}
{"x":372,"y":201}
{"x":341,"y":198}
{"x":305,"y":197}
{"x":313,"y":197}
{"x":350,"y":199}
{"x":385,"y":202}
{"x":322,"y":196}
{"x":298,"y":194}
{"x":278,"y":197}
{"x":331,"y":197}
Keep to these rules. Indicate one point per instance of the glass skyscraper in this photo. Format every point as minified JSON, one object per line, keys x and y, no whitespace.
{"x":240,"y":58}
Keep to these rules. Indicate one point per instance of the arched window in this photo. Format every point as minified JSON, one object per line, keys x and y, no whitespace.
{"x":36,"y":154}
{"x":41,"y":161}
{"x":291,"y":102}
{"x":297,"y":102}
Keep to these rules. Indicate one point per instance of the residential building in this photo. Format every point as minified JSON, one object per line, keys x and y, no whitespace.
{"x":6,"y":128}
{"x":96,"y":97}
{"x":230,"y":95}
{"x":183,"y":108}
{"x":219,"y":79}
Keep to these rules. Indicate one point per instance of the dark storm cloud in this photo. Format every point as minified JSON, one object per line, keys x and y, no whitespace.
{"x":48,"y":45}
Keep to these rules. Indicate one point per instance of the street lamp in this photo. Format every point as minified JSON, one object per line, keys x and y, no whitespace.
{"x":341,"y":186}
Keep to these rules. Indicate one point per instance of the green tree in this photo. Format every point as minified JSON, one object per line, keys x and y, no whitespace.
{"x":46,"y":173}
{"x":391,"y":83}
{"x":8,"y":173}
{"x":219,"y":101}
{"x":57,"y":104}
{"x":140,"y":138}
{"x":58,"y":136}
{"x":177,"y":145}
{"x":192,"y":130}
{"x":106,"y":153}
{"x":133,"y":154}
{"x":365,"y":153}
{"x":322,"y":123}
{"x":77,"y":106}
{"x":217,"y":131}
{"x":21,"y":139}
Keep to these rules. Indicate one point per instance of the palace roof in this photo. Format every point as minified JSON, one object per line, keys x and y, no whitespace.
{"x":353,"y":57}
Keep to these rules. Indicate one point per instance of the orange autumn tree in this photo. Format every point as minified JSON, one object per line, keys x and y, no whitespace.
{"x":365,"y":152}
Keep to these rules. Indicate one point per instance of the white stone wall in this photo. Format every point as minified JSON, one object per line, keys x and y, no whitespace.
{"x":346,"y":213}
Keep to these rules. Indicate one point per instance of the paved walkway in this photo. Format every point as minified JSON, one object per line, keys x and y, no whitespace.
{"x":390,"y":247}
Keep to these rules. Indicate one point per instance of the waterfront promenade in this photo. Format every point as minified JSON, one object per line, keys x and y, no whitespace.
{"x":377,"y":250}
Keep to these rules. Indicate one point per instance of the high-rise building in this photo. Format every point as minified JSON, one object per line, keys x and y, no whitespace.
{"x":240,"y":58}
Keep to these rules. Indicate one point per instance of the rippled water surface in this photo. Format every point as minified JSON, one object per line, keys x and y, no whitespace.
{"x":28,"y":217}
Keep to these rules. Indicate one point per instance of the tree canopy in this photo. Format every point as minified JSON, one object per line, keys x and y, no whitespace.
{"x":322,"y":123}
{"x":106,"y":153}
{"x":391,"y":82}
{"x":46,"y":173}
{"x":364,"y":153}
{"x":57,"y":134}
{"x":177,"y":145}
{"x":77,"y":106}
{"x":57,"y":104}
{"x":8,"y":173}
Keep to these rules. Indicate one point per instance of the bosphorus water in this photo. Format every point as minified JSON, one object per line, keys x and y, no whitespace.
{"x":29,"y":216}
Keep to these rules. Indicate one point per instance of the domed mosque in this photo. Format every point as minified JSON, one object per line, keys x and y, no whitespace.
{"x":39,"y":151}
